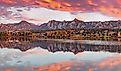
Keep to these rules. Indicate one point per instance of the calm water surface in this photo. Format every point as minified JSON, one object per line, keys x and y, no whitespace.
{"x":60,"y":55}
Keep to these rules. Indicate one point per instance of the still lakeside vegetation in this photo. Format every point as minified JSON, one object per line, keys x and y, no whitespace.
{"x":75,"y":34}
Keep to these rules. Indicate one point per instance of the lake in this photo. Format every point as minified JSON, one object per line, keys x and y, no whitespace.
{"x":60,"y":55}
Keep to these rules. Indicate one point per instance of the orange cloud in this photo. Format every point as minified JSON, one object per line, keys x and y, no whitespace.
{"x":111,"y":8}
{"x":90,"y":2}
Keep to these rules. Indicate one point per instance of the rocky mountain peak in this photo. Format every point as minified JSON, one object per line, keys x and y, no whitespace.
{"x":23,"y":22}
{"x":76,"y":20}
{"x":52,"y":21}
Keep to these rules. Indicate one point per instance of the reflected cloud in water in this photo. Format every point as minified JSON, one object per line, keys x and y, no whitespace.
{"x":108,"y":64}
{"x":60,"y":55}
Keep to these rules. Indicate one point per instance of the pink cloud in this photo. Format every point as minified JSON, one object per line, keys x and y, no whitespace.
{"x":111,"y":8}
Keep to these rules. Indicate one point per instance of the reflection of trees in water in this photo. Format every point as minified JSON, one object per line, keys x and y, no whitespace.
{"x":77,"y":47}
{"x":55,"y":46}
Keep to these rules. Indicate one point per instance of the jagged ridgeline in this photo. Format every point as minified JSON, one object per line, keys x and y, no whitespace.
{"x":53,"y":25}
{"x":78,"y":24}
{"x":75,"y":29}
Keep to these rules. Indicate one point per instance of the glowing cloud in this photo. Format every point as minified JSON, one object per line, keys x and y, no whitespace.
{"x":112,"y":7}
{"x":77,"y":8}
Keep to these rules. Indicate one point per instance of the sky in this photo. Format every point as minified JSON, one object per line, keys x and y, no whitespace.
{"x":42,"y":11}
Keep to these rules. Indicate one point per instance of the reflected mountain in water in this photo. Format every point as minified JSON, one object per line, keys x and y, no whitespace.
{"x":63,"y":45}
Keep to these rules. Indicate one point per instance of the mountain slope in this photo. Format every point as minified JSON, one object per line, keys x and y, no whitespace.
{"x":53,"y":25}
{"x":77,"y":24}
{"x":23,"y":25}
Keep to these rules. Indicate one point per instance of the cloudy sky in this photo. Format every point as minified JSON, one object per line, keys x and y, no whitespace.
{"x":40,"y":11}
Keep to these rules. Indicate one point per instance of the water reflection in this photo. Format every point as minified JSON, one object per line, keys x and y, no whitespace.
{"x":74,"y":46}
{"x":60,"y":55}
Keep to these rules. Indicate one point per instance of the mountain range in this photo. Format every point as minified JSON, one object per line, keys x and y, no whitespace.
{"x":53,"y":25}
{"x":23,"y":25}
